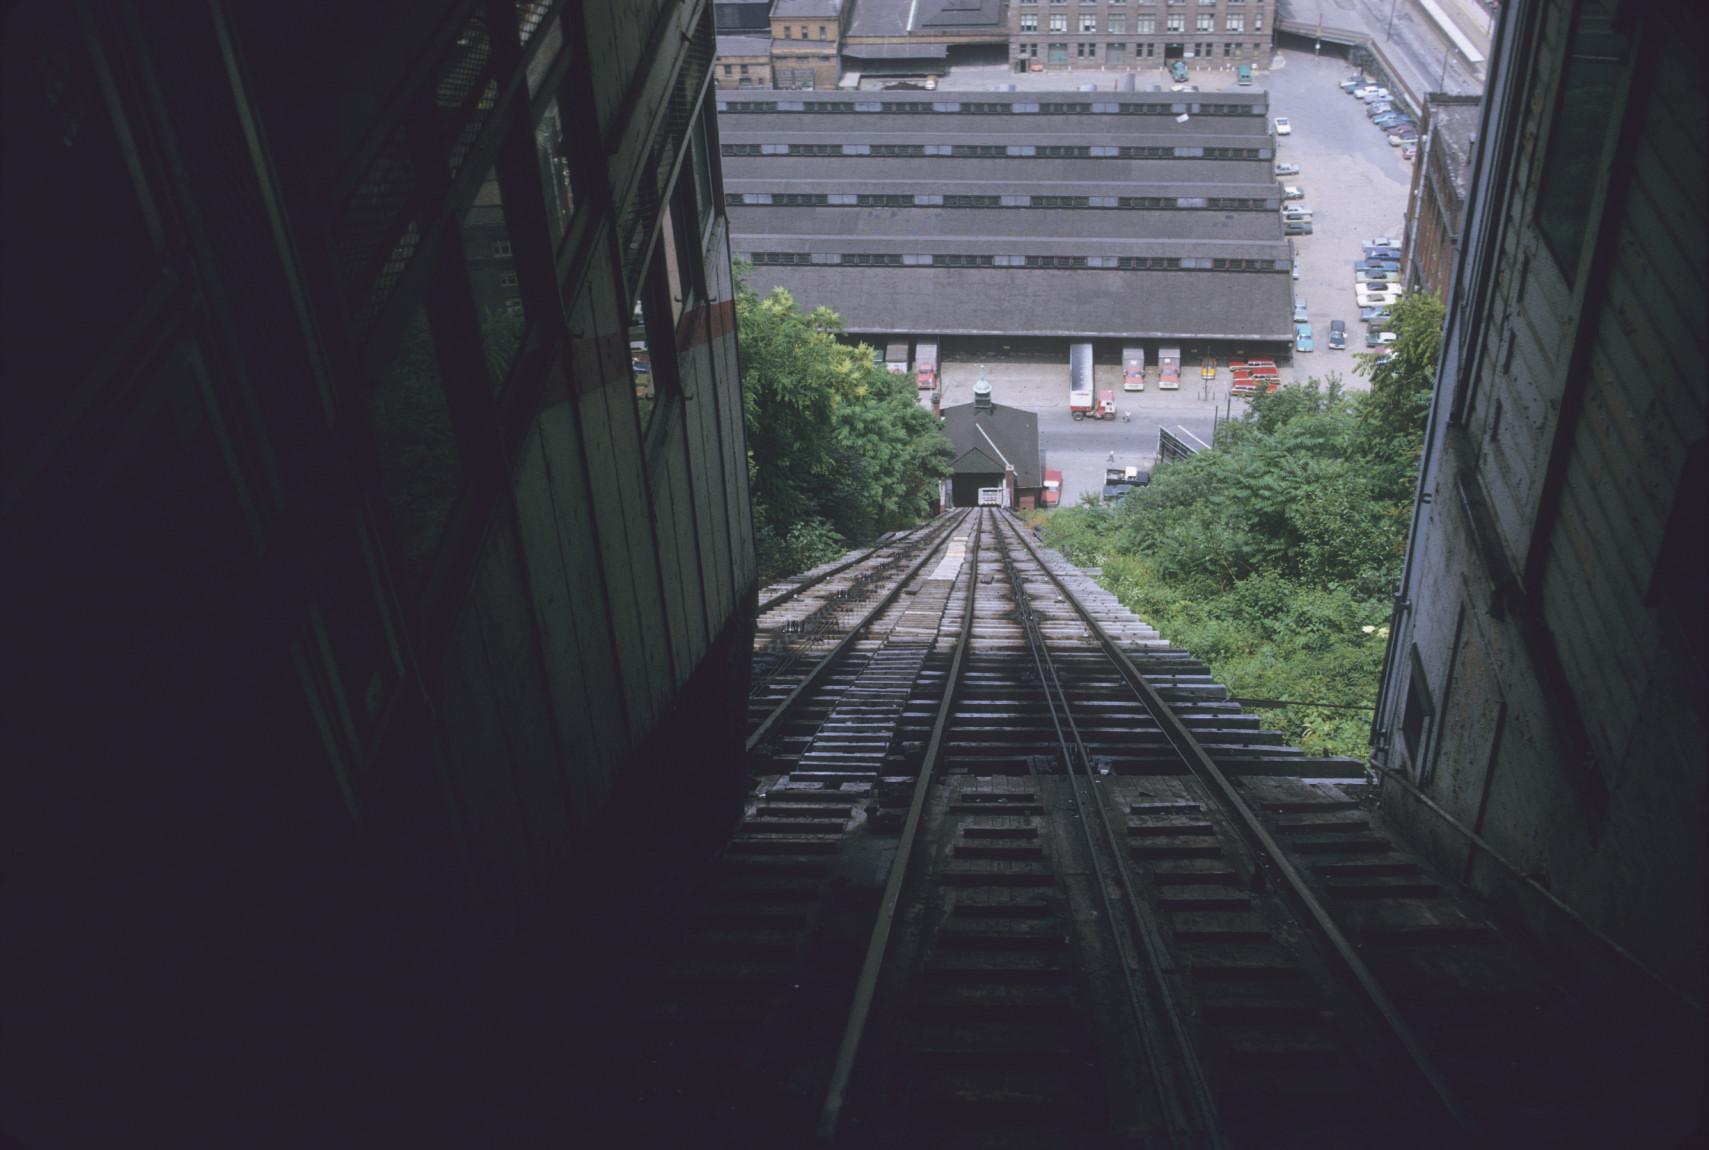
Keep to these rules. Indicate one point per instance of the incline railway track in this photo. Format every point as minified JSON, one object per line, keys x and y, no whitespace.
{"x":1016,"y":872}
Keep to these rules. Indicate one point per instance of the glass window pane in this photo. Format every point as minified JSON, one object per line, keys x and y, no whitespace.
{"x":1588,"y":89}
{"x":554,"y":154}
{"x":420,"y":470}
{"x":492,"y":278}
{"x":551,"y":43}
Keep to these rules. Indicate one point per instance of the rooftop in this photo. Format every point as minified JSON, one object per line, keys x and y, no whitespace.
{"x":982,"y":440}
{"x":1022,"y":302}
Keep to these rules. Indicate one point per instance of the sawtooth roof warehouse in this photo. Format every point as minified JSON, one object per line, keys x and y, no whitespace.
{"x":1108,"y":215}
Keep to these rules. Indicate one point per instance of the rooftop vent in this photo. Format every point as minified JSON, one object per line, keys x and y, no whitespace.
{"x":982,"y":396}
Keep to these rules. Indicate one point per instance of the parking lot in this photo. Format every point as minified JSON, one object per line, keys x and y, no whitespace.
{"x":1356,"y":185}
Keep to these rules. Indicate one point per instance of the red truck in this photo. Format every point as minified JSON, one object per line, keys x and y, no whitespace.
{"x":1052,"y":488}
{"x":926,"y":367}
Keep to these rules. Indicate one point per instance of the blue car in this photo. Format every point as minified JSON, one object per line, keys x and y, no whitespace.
{"x":1302,"y":337}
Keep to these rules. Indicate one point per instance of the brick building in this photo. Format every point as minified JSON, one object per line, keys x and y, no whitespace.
{"x":1436,"y":207}
{"x":1050,"y":34}
{"x":806,"y":39}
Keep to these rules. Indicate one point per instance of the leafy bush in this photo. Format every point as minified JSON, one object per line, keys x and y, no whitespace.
{"x":1273,"y":556}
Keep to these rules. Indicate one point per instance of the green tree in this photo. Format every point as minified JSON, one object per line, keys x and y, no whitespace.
{"x":1393,"y":413}
{"x":838,"y":448}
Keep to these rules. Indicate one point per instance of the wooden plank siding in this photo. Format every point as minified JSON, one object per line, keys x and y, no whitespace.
{"x":1584,"y":640}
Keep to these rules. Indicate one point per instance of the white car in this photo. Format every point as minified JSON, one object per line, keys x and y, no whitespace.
{"x":1382,"y":242}
{"x":1376,"y":94}
{"x":1377,"y":299}
{"x":1289,"y":192}
{"x":1287,"y":169}
{"x":1283,"y":128}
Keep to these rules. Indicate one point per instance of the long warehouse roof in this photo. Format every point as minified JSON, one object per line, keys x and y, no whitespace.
{"x":1076,"y":303}
{"x":979,"y":225}
{"x":1160,"y":243}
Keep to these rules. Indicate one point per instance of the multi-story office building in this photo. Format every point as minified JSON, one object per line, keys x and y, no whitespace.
{"x":806,"y":42}
{"x":1125,"y":34}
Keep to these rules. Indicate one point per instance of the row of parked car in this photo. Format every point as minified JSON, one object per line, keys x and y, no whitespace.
{"x":1376,"y":288}
{"x":1385,"y":113}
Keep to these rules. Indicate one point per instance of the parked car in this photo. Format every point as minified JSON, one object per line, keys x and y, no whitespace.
{"x":1296,"y":209}
{"x":1375,"y":337}
{"x":1296,"y":267}
{"x":1300,"y":313}
{"x":1381,"y":242}
{"x":1364,"y":90}
{"x":1375,"y":278}
{"x":1383,"y":254}
{"x":1302,"y":337}
{"x":1397,"y":137}
{"x":1372,"y":111}
{"x":1287,"y":169}
{"x":1283,"y":128}
{"x":1352,"y":84}
{"x":1375,"y":314}
{"x":1178,"y":71}
{"x":1297,"y":226}
{"x":1290,"y":192}
{"x":1409,"y":150}
{"x":1337,"y":335}
{"x":1378,"y":94}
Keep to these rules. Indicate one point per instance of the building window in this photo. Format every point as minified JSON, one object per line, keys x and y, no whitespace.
{"x":1203,"y":24}
{"x":1057,"y":54}
{"x":1257,"y":21}
{"x":1029,"y":21}
{"x":1176,"y":23}
{"x":1236,"y":22}
{"x":787,"y":34}
{"x":1086,"y":51}
{"x":1145,"y":24}
{"x":1088,"y":23}
{"x":1590,"y":85}
{"x":1415,"y":718}
{"x":1058,"y":22}
{"x":821,"y":31}
{"x":1118,"y":24}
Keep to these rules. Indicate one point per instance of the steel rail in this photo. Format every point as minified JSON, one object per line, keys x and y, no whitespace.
{"x":1199,"y":761}
{"x":1158,"y":962}
{"x":860,"y":1012}
{"x":795,"y":589}
{"x":813,"y":677}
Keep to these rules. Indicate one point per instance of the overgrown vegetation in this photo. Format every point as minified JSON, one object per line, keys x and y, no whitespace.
{"x":839,"y":449}
{"x":1273,"y":557}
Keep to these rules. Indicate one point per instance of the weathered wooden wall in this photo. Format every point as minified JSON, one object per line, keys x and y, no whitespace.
{"x":345,"y":634}
{"x":1552,"y":657}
